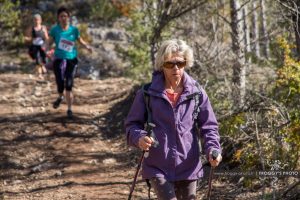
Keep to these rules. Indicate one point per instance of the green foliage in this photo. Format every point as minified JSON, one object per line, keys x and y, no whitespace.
{"x":9,"y":23}
{"x":9,"y":14}
{"x":143,"y":21}
{"x":49,"y":18}
{"x":104,"y":10}
{"x":289,"y":74}
{"x":84,"y":35}
{"x":230,"y":127}
{"x":291,"y":136}
{"x":83,"y":32}
{"x":288,"y":92}
{"x":264,"y":127}
{"x":139,"y":50}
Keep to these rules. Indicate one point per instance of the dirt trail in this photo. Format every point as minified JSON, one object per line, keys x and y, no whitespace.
{"x":45,"y":156}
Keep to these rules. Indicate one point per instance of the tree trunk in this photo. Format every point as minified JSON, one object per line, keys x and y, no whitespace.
{"x":297,"y":36}
{"x":296,"y":20}
{"x":247,"y":46}
{"x":239,"y":70}
{"x":265,"y":39}
{"x":162,"y":21}
{"x":215,"y":33}
{"x":255,"y":30}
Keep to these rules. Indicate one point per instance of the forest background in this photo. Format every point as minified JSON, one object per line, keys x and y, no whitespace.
{"x":247,"y":57}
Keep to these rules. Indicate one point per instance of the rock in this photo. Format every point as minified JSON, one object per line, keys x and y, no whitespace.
{"x":42,"y":6}
{"x":46,"y":5}
{"x":30,"y":109}
{"x":89,"y":72}
{"x":21,"y":85}
{"x":113,"y":35}
{"x":109,"y":161}
{"x":93,"y":162}
{"x":74,"y":21}
{"x":9,"y":67}
{"x":59,"y":173}
{"x":41,"y":159}
{"x":17,"y":181}
{"x":37,"y":93}
{"x":95,"y":75}
{"x":41,"y":167}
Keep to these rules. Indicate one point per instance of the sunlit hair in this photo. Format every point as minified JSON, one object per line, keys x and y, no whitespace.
{"x":173,"y":47}
{"x":37,"y":16}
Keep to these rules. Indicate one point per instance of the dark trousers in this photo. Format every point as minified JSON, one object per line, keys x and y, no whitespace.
{"x":178,"y":190}
{"x":66,"y":79}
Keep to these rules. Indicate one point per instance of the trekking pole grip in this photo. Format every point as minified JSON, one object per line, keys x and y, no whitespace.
{"x":151,"y":134}
{"x":214,"y":154}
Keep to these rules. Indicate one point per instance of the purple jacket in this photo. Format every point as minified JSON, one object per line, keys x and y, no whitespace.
{"x":177,"y":156}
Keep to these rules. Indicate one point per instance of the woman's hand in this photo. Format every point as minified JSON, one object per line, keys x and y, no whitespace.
{"x":145,"y":143}
{"x":216,"y":162}
{"x":89,"y":48}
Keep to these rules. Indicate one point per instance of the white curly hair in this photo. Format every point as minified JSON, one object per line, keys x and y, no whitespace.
{"x":171,"y":47}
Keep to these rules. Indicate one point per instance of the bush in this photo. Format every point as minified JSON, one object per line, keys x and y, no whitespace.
{"x":104,"y":11}
{"x":287,"y":91}
{"x":10,"y":24}
{"x":138,"y":51}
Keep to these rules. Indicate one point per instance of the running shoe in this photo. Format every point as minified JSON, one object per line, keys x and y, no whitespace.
{"x":57,"y":102}
{"x":70,"y":114}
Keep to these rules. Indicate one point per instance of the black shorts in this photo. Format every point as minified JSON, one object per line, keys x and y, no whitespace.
{"x":38,"y":54}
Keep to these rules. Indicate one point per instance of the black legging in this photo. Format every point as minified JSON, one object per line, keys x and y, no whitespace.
{"x":68,"y":75}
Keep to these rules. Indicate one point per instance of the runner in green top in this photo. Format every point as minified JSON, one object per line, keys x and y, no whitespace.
{"x":65,"y":41}
{"x":64,"y":67}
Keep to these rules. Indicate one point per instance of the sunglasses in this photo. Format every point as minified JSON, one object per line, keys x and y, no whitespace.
{"x":170,"y":64}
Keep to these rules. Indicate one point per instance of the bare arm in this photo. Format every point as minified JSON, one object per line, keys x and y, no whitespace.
{"x":46,"y":32}
{"x":49,"y":44}
{"x":82,"y":42}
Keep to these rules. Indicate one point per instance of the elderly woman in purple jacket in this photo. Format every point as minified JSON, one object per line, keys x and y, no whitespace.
{"x":173,"y":167}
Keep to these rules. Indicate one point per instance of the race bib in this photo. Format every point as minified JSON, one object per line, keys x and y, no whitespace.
{"x":66,"y":45}
{"x":38,"y":41}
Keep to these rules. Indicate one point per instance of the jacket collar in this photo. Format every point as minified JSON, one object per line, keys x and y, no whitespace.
{"x":157,"y":87}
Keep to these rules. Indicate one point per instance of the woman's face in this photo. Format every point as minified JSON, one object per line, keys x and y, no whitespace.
{"x":63,"y":18}
{"x":37,"y":21}
{"x":173,"y":67}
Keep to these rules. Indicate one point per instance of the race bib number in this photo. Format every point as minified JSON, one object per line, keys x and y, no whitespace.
{"x":66,"y":45}
{"x":38,"y":41}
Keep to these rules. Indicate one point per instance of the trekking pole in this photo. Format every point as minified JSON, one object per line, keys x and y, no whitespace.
{"x":215,"y":154}
{"x":150,"y":133}
{"x":136,"y":175}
